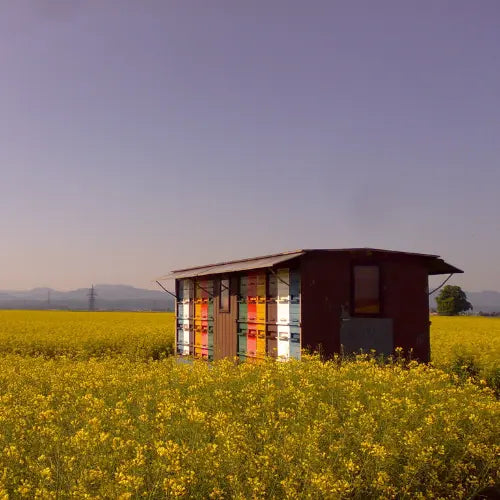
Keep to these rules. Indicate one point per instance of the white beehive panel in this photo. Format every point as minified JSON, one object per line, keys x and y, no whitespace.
{"x":283,"y":313}
{"x":283,"y":342}
{"x":283,"y":297}
{"x":185,"y":339}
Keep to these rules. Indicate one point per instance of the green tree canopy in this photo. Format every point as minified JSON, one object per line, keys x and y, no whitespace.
{"x":451,"y":301}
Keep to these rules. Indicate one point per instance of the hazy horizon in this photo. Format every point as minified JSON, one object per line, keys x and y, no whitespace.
{"x":432,"y":279}
{"x":141,"y":137}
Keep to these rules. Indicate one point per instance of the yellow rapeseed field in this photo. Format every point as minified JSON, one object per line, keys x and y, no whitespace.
{"x":83,"y":335}
{"x":118,"y":419}
{"x":462,"y":337}
{"x":121,"y":429}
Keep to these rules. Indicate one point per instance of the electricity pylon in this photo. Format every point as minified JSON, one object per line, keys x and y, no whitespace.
{"x":92,"y":295}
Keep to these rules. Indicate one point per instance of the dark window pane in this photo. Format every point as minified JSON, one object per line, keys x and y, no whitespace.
{"x":366,"y":290}
{"x":224,"y":295}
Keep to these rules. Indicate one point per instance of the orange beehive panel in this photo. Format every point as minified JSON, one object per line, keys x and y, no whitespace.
{"x":252,"y":286}
{"x":252,"y":310}
{"x":204,"y":309}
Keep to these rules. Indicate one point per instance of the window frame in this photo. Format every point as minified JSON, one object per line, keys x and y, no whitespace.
{"x":380,"y":290}
{"x":228,"y":290}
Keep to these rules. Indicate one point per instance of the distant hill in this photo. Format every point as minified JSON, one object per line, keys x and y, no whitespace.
{"x":129,"y":298}
{"x":487,"y":301}
{"x":109,"y":297}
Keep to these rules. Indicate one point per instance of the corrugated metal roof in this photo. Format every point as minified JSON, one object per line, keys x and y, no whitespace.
{"x":436,"y":264}
{"x":233,"y":266}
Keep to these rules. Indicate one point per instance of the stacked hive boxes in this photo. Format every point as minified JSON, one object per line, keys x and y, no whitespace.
{"x":195,"y":318}
{"x":288,"y":321}
{"x":184,"y":317}
{"x":269,"y":315}
{"x":204,"y":319}
{"x":252,"y":316}
{"x":242,"y":330}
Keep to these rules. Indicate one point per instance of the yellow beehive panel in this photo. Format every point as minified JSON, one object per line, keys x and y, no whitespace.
{"x":261,"y":311}
{"x":261,"y":342}
{"x":198,"y":309}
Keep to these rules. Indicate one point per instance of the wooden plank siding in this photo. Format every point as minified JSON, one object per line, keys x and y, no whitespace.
{"x":327,"y":292}
{"x":225,"y":322}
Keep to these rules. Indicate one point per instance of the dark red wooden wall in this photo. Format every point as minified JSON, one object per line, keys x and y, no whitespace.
{"x":327,"y":286}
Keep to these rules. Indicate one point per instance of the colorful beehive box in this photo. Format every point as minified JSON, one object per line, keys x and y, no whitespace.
{"x":323,"y":299}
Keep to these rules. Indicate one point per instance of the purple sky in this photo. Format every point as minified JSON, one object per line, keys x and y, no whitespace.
{"x":141,"y":136}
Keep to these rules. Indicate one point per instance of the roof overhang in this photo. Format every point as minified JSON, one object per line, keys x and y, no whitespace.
{"x":233,"y":266}
{"x":439,"y":266}
{"x":434,"y":263}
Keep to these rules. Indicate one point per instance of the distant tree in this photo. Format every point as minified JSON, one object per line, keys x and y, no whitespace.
{"x":452,"y":301}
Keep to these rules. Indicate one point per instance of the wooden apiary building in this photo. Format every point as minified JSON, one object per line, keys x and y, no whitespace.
{"x":325,"y":300}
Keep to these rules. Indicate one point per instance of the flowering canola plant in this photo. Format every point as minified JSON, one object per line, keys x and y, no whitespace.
{"x":91,"y":406}
{"x":116,"y":428}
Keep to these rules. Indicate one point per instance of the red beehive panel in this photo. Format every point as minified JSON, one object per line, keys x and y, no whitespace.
{"x":252,"y":340}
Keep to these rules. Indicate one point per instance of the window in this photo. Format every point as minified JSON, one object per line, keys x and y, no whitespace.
{"x":366,"y":290}
{"x":224,"y":295}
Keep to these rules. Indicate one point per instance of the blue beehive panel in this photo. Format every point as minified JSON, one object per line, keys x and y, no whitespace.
{"x":294,"y":313}
{"x":294,"y":284}
{"x":295,"y":342}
